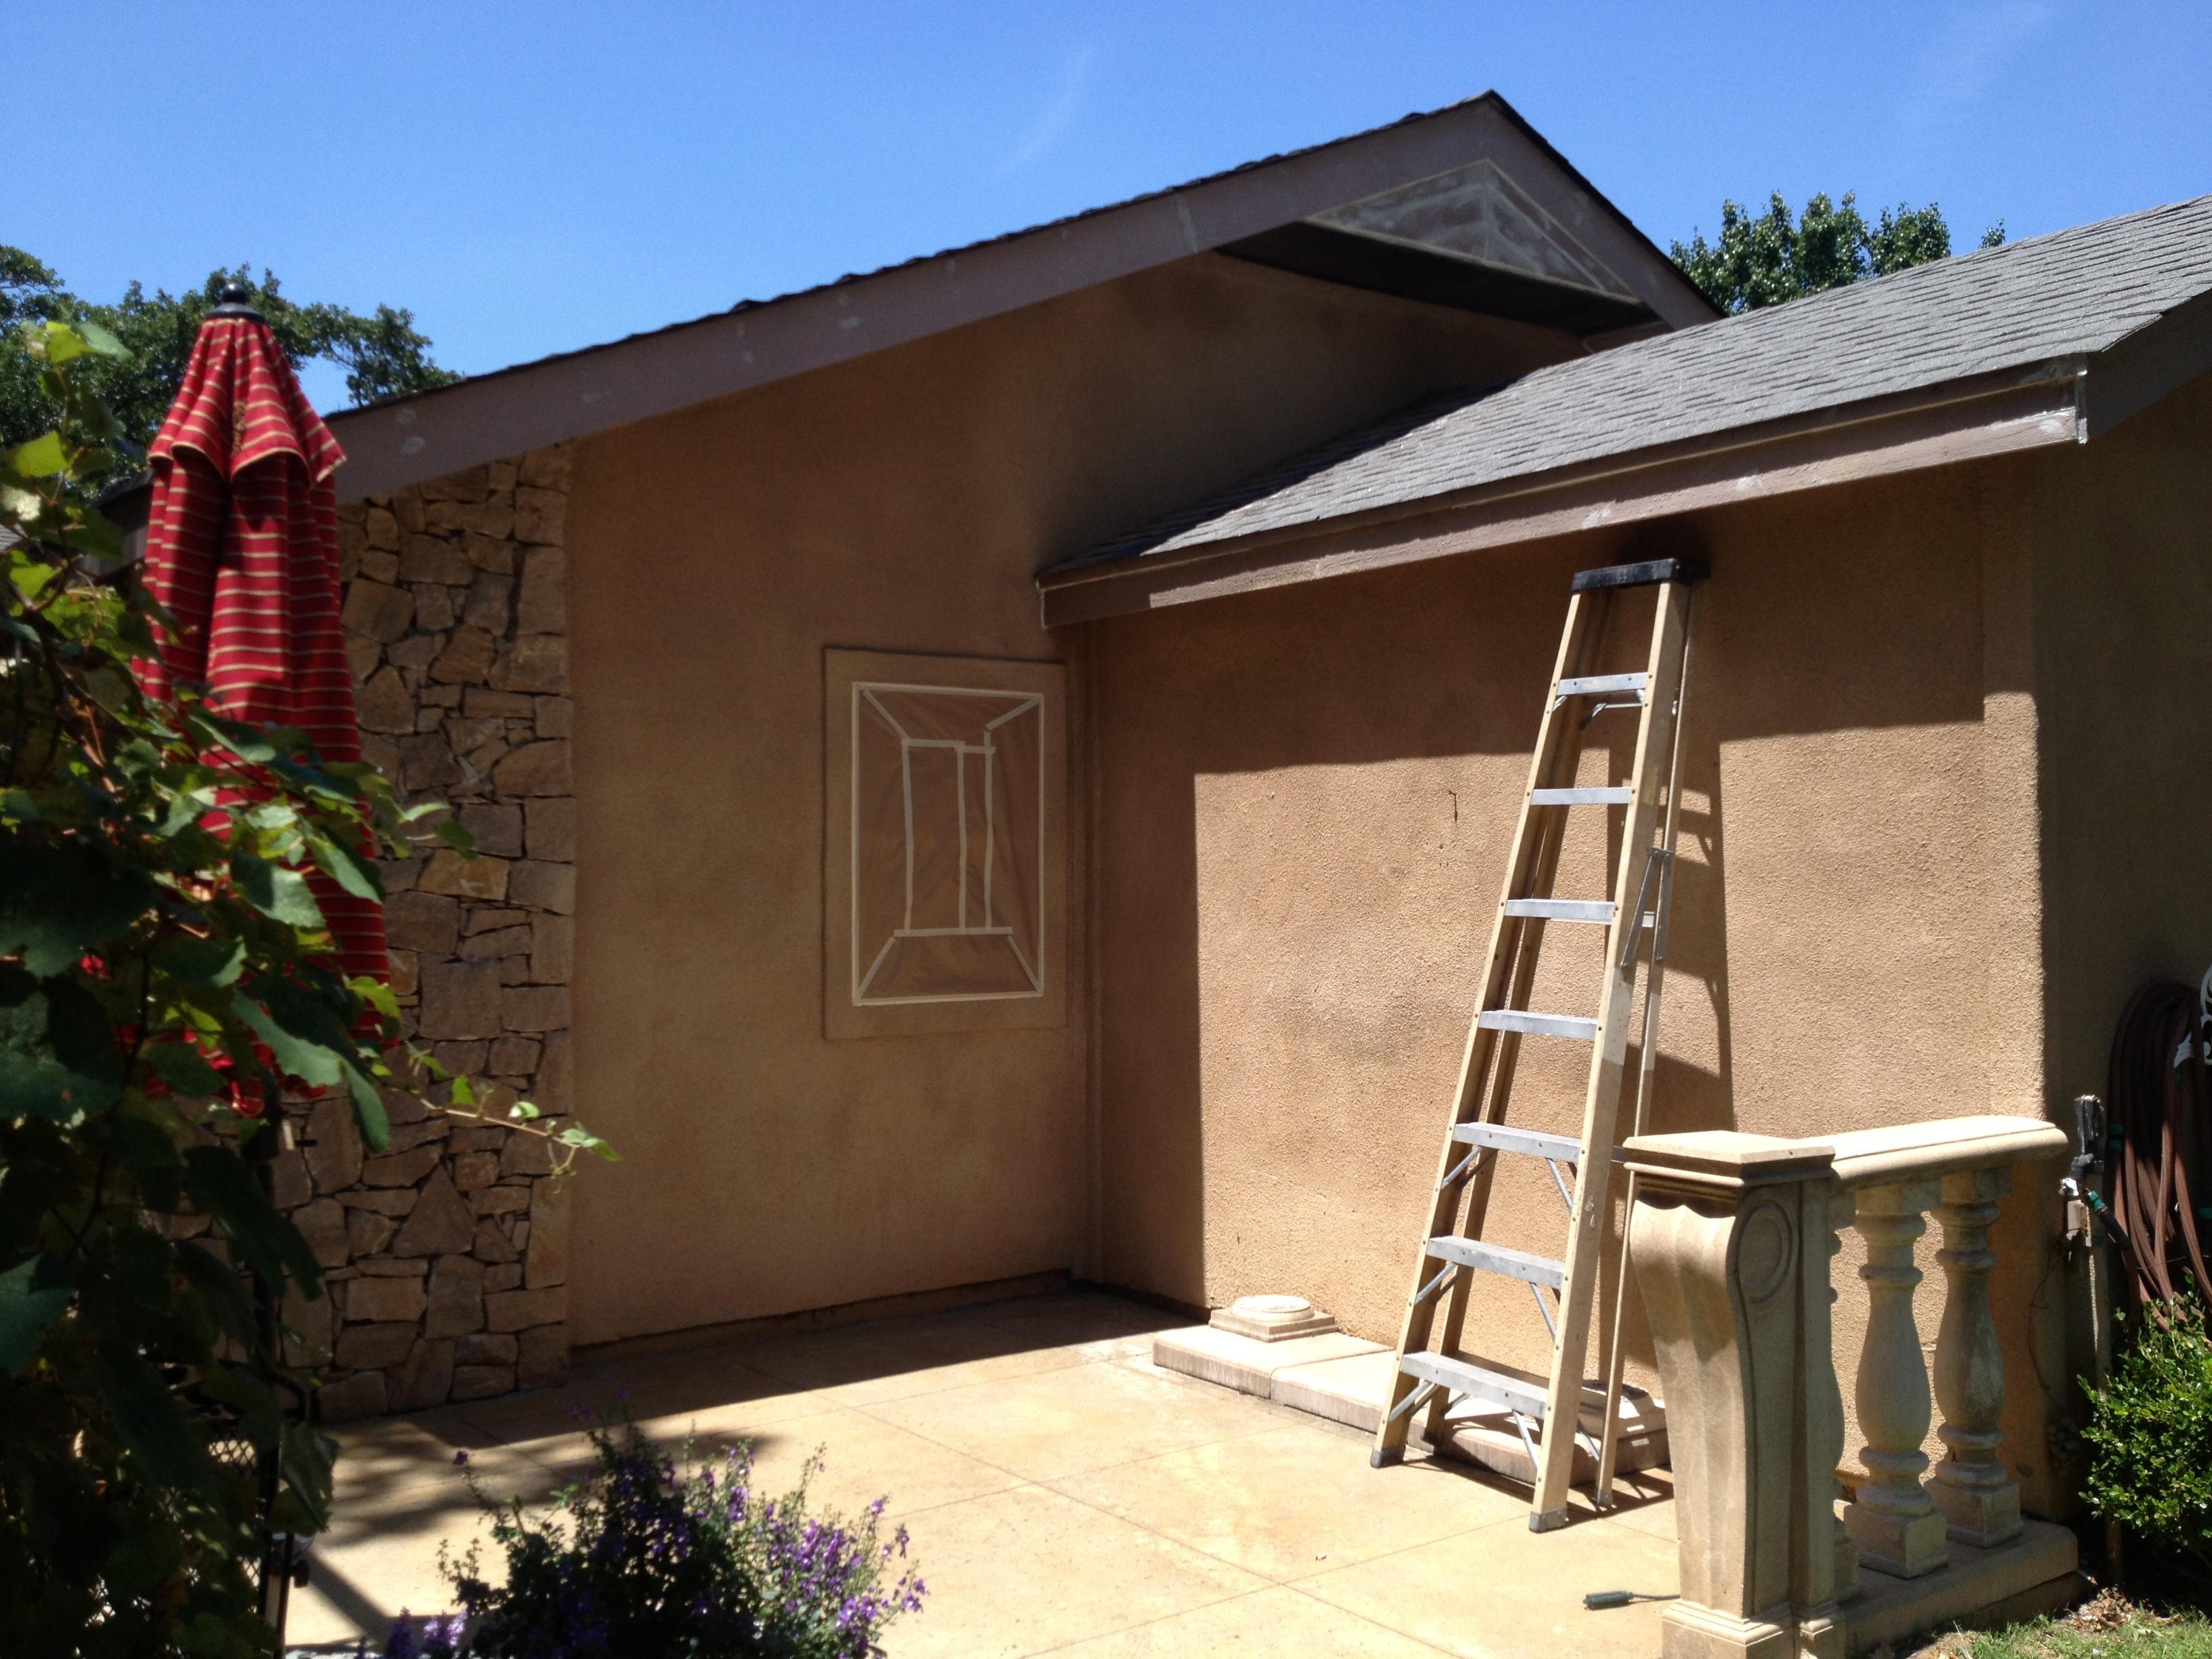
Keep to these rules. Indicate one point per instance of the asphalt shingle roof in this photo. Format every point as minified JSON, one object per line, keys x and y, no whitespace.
{"x":2070,"y":293}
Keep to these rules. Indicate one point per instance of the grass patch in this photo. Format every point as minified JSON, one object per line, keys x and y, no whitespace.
{"x":2109,"y":1627}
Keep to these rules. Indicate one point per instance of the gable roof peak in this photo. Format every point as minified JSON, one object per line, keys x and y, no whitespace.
{"x":1466,"y":205}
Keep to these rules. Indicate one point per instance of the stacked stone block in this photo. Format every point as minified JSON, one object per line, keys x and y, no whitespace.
{"x":446,"y":1253}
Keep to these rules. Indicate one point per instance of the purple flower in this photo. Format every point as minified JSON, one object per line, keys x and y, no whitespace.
{"x":644,"y":1556}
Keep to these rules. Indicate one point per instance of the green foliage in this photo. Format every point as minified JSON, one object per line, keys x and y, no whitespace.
{"x":382,"y":353}
{"x":1766,"y":258}
{"x":2150,"y":1434}
{"x":164,"y":971}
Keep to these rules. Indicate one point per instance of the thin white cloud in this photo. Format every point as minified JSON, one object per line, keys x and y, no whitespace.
{"x":1969,"y":48}
{"x":1054,"y":121}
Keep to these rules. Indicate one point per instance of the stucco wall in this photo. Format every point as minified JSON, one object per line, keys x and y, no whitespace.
{"x":2121,"y":594}
{"x":1310,"y":792}
{"x":2122,"y":599}
{"x":897,"y":503}
{"x":1304,"y":802}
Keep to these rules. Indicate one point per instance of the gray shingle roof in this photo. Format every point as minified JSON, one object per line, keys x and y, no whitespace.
{"x":2071,"y":292}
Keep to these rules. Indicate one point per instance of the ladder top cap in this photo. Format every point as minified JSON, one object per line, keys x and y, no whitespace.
{"x":1650,"y":572}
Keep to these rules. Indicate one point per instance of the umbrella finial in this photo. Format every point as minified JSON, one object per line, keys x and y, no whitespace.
{"x":236,"y":299}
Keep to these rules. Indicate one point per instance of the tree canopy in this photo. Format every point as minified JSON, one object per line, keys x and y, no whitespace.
{"x":1765,"y":258}
{"x":383,"y":354}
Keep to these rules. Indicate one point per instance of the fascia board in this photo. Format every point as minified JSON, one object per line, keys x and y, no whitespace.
{"x":2139,"y":368}
{"x":1990,"y":415}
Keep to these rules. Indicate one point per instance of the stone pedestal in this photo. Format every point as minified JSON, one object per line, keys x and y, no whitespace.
{"x":1687,"y":1631}
{"x":1272,"y":1318}
{"x":1730,"y":1242}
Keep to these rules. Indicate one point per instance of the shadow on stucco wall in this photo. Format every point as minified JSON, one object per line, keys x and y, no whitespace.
{"x":1306,"y":797}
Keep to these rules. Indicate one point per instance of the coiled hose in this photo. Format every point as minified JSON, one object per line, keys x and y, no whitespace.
{"x":2157,"y":1100}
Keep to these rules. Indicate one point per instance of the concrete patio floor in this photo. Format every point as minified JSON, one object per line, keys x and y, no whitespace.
{"x":1065,"y":1494}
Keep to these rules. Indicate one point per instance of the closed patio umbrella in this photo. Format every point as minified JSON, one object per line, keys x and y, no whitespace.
{"x":242,"y":547}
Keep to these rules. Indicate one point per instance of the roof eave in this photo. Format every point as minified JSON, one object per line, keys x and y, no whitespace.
{"x":2140,"y":368}
{"x":2001,"y":413}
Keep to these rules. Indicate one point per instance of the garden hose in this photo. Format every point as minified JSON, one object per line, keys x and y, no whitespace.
{"x":2159,"y":1098}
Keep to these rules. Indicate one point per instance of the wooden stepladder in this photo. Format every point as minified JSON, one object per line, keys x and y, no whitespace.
{"x":1430,"y":1371}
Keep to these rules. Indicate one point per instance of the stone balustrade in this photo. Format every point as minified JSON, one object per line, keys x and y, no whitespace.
{"x":1730,"y":1239}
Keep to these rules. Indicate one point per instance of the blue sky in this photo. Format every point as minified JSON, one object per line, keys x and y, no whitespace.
{"x":532,"y":178}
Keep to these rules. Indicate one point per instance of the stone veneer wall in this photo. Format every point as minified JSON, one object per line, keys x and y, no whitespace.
{"x":447,"y":1253}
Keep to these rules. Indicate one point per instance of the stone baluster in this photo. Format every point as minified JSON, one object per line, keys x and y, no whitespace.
{"x":1971,"y":1487}
{"x":1896,"y":1525}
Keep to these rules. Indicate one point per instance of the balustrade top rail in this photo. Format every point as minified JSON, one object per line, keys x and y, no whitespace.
{"x":1858,"y":1157}
{"x":1879,"y":1157}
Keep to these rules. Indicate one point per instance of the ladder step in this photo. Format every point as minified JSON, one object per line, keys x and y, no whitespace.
{"x":1595,"y":685}
{"x":1460,"y":1377}
{"x":1563,"y":1149}
{"x":1516,"y":1020}
{"x":1616,"y":796}
{"x":1597,"y":910}
{"x":1538,"y":1270}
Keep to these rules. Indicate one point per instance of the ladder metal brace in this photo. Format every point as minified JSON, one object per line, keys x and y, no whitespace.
{"x":1660,"y":864}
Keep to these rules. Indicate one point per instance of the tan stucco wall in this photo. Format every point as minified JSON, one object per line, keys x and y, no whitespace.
{"x":1309,"y":793}
{"x":897,"y":503}
{"x":2123,"y":603}
{"x":1922,"y":708}
{"x":2122,"y":600}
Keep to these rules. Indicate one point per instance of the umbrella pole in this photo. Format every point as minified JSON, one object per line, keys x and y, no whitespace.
{"x":274,"y":1580}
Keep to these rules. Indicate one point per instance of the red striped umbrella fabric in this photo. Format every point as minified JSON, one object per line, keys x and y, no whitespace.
{"x":242,"y":547}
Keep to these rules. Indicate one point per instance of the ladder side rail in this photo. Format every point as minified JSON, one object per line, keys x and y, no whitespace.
{"x":1551,"y":836}
{"x":1609,"y":1457}
{"x":1493,"y":1104}
{"x":1559,"y":743}
{"x":1556,"y":730}
{"x":1601,"y":1101}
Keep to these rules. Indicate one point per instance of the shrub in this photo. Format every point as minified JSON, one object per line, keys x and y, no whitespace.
{"x":164,"y":969}
{"x":641,"y":1559}
{"x":2150,"y":1434}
